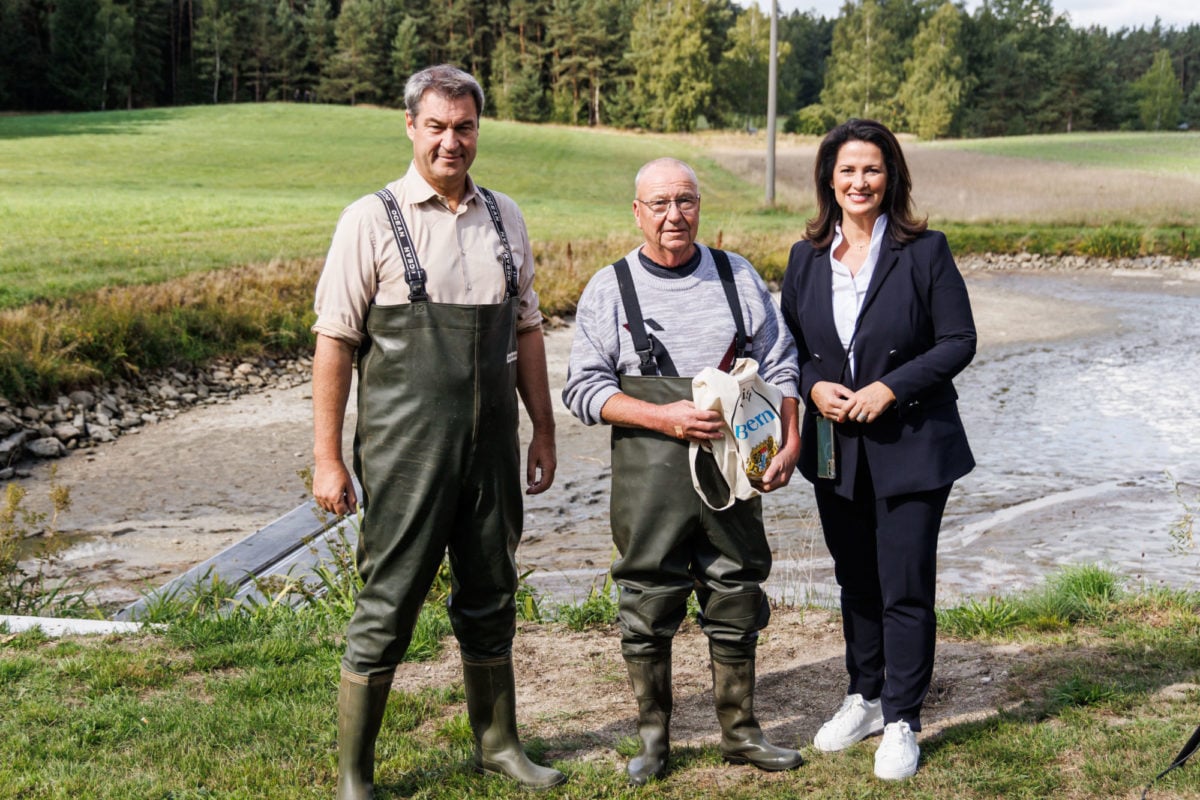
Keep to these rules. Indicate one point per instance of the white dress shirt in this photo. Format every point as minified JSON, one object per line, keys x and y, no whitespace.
{"x":849,"y":290}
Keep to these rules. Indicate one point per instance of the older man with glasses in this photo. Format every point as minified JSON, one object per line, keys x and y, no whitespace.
{"x":644,"y":326}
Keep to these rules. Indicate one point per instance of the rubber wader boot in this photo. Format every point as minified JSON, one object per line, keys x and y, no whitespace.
{"x":652,"y":687}
{"x":491,"y":707}
{"x":742,"y":740}
{"x":361,"y":701}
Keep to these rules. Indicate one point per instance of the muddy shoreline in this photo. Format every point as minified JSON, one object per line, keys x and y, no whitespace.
{"x":152,"y":504}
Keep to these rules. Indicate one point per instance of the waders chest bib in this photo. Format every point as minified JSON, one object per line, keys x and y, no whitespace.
{"x":437,"y":454}
{"x":671,"y":543}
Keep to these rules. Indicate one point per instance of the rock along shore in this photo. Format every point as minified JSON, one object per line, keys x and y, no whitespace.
{"x":87,"y":418}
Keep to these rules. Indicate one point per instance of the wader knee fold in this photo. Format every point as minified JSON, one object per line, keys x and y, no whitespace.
{"x":649,"y":620}
{"x":732,"y":621}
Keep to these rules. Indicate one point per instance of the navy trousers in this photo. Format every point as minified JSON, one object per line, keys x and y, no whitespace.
{"x":885,"y":560}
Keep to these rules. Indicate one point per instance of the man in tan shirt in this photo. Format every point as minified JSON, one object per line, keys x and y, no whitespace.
{"x":429,"y":283}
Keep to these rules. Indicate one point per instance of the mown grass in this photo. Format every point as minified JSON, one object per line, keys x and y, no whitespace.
{"x":242,"y":706}
{"x":112,"y":224}
{"x":117,"y":198}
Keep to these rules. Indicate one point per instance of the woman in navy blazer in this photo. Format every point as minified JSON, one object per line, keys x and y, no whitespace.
{"x":883,"y":323}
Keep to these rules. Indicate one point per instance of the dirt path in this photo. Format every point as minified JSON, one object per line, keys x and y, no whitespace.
{"x":801,"y":680}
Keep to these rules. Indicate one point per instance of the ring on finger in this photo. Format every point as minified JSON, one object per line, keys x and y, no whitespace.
{"x":679,"y":431}
{"x":862,"y":417}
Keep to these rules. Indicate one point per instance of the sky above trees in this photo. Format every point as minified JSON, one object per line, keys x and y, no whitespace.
{"x":1111,"y":14}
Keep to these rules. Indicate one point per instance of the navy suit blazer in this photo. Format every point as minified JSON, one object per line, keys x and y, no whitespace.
{"x":915,"y":333}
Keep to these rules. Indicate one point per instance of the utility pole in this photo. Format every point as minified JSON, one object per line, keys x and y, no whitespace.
{"x":772,"y":74}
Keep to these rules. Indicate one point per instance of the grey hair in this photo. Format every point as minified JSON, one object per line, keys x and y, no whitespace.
{"x":658,"y":162}
{"x":448,"y":81}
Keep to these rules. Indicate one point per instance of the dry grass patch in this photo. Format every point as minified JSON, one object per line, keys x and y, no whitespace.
{"x":958,"y":186}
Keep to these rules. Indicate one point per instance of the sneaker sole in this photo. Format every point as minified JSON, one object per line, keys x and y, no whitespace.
{"x":847,"y":744}
{"x":895,"y":776}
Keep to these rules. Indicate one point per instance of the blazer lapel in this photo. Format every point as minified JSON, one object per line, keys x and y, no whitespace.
{"x":820,"y":305}
{"x":888,"y":257}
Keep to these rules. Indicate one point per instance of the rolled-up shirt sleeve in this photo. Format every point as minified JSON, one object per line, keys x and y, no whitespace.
{"x":349,"y":280}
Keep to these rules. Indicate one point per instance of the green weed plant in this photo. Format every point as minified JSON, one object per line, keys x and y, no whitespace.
{"x":1074,"y":595}
{"x":598,"y":609}
{"x":25,"y":588}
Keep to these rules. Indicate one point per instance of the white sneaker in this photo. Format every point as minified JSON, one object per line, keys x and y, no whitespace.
{"x":854,"y":721}
{"x":898,"y":754}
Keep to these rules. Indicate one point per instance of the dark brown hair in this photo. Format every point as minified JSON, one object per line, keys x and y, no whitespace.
{"x":897,"y":198}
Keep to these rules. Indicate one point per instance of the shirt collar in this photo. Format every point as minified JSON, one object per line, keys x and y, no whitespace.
{"x":419,"y":190}
{"x":877,"y":233}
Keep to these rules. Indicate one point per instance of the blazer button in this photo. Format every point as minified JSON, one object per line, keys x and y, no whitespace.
{"x":892,"y":353}
{"x":817,"y":357}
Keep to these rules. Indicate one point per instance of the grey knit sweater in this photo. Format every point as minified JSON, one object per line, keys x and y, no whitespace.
{"x":689,"y":316}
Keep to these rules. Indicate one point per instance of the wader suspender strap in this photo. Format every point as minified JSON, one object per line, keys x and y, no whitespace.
{"x":414,"y":275}
{"x":735,"y":305}
{"x":637,"y":326}
{"x":510,"y":272}
{"x":633,"y":313}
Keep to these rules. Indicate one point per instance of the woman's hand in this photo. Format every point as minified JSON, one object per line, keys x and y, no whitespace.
{"x":840,"y":404}
{"x":830,"y":399}
{"x":865,"y":405}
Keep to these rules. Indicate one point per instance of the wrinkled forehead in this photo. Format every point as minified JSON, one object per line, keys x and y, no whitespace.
{"x":666,"y":181}
{"x":447,"y":108}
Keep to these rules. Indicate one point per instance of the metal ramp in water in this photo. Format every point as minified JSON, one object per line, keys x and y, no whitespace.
{"x":292,"y":545}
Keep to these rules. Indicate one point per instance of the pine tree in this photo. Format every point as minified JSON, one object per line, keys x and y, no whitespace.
{"x":114,"y":25}
{"x":320,"y":43}
{"x":74,"y":68}
{"x":407,"y":55}
{"x":743,"y":71}
{"x":288,"y":46}
{"x":933,"y":84}
{"x":801,"y":76}
{"x":1159,"y":94}
{"x":214,"y":41}
{"x":864,"y":68}
{"x":673,"y":76}
{"x":352,"y":71}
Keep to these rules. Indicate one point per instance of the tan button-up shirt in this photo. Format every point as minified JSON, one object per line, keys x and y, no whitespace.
{"x":460,"y":252}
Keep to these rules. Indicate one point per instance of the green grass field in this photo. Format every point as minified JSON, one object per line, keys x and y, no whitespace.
{"x":133,"y":240}
{"x":118,"y":198}
{"x":1168,"y":153}
{"x":92,"y":200}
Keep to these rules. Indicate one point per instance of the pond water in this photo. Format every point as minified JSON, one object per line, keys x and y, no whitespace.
{"x":1088,"y":451}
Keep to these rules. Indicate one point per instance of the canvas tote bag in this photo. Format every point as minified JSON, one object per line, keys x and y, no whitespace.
{"x":753,"y":428}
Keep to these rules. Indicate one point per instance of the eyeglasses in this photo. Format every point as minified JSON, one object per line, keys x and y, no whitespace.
{"x":659,"y":208}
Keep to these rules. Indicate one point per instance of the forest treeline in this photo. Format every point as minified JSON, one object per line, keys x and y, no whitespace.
{"x":926,"y":66}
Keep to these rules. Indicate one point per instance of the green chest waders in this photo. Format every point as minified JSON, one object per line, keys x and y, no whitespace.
{"x":669,"y":542}
{"x":437,"y":454}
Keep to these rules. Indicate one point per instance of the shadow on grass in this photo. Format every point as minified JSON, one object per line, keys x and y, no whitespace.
{"x":92,"y":123}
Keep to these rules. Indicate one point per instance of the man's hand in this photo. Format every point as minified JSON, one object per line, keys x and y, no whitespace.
{"x":540,"y":464}
{"x":332,"y":487}
{"x":683,"y":420}
{"x":779,"y":471}
{"x":679,"y":420}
